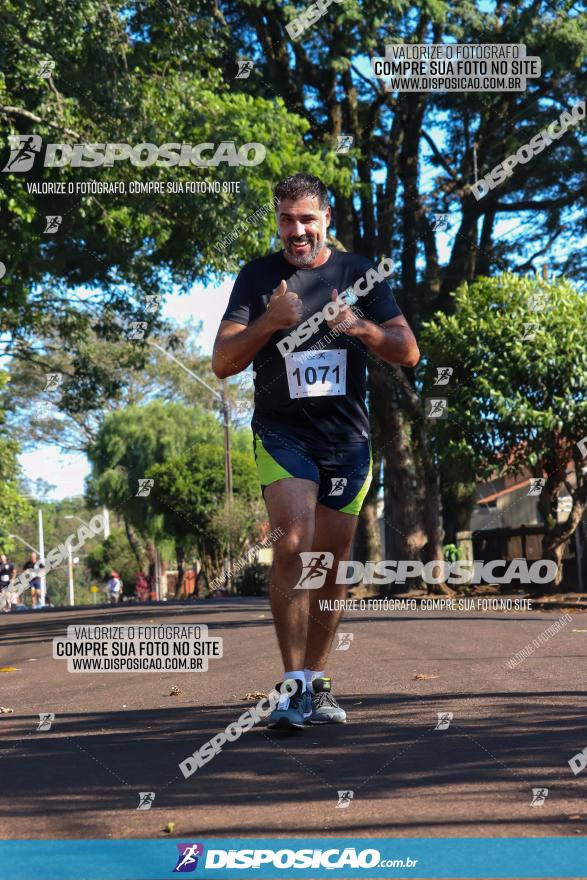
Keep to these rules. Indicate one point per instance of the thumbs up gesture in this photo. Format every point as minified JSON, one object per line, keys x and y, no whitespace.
{"x":346,"y":321}
{"x":285,"y":308}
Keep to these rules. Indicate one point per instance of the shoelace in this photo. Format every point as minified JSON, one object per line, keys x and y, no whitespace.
{"x":324,"y":698}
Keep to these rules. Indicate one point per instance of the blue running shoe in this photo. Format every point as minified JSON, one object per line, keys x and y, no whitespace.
{"x":325,"y":709}
{"x":293,"y":707}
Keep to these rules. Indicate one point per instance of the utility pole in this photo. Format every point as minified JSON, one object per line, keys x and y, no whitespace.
{"x":70,"y":593}
{"x":227,"y":482}
{"x":106,"y":514}
{"x":42,"y":559}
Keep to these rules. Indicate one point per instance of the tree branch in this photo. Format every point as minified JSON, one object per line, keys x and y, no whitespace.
{"x":18,"y":111}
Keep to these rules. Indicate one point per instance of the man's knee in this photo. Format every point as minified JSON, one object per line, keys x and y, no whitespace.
{"x":294,"y":541}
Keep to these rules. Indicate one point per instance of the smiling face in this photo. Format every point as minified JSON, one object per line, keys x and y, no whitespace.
{"x":302,"y":227}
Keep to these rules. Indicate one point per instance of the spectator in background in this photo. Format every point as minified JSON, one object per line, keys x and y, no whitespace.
{"x":142,"y":587}
{"x":6,"y":571}
{"x":114,"y":587}
{"x":35,"y":563}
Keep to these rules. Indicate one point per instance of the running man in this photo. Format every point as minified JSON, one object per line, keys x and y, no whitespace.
{"x":35,"y":583}
{"x":310,"y":424}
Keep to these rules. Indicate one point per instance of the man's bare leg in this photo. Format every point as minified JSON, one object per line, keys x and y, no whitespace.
{"x":333,"y":532}
{"x":291,"y":504}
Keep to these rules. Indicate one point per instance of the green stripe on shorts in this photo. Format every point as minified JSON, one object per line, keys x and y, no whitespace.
{"x":269,"y":470}
{"x":354,"y":506}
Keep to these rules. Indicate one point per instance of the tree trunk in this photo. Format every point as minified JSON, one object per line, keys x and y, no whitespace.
{"x":457,"y":502}
{"x":404,"y":533}
{"x":180,"y":553}
{"x":557,"y":534}
{"x":134,"y":543}
{"x":367,"y":544}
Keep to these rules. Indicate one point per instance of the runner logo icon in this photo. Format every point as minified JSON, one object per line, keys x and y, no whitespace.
{"x":24,"y":149}
{"x":338,"y":485}
{"x":314,"y":570}
{"x":187,"y":859}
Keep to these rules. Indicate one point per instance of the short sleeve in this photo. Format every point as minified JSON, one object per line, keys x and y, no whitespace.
{"x":379,"y":304}
{"x":239,"y":304}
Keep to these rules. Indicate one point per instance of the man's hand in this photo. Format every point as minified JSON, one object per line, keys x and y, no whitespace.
{"x":285,"y":308}
{"x":346,"y":321}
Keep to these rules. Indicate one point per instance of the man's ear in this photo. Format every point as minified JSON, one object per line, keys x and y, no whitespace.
{"x":328,"y":216}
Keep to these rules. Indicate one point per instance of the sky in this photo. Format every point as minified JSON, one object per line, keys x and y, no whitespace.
{"x":67,"y":471}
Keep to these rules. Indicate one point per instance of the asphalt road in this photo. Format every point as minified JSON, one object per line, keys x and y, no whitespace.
{"x":116,"y":734}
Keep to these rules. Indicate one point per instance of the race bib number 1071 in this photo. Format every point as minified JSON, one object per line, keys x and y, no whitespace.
{"x":316,"y":373}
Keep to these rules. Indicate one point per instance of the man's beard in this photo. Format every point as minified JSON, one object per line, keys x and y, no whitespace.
{"x":309,"y":255}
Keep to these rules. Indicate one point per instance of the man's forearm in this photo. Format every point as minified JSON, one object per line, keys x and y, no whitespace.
{"x":395,"y":345}
{"x":234,"y":353}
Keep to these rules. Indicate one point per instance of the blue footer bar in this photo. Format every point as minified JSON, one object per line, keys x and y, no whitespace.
{"x":228,"y":858}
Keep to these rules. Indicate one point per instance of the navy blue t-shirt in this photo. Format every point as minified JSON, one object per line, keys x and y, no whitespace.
{"x":320,"y":394}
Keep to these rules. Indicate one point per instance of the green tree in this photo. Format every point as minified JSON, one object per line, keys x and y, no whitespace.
{"x":12,"y":503}
{"x":129,"y":446}
{"x":123,"y":73}
{"x":190,"y":495}
{"x":113,"y":553}
{"x":518,"y":393}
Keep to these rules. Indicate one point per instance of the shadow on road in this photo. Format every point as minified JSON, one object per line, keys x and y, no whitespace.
{"x":390,"y":749}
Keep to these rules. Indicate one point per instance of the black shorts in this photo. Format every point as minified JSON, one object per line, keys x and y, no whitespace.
{"x":343,"y":470}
